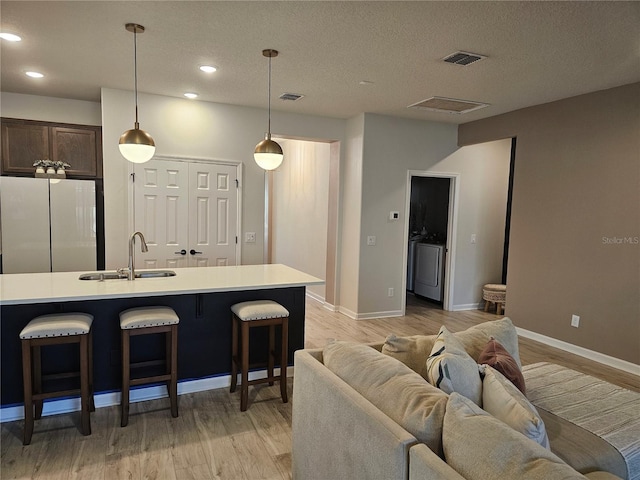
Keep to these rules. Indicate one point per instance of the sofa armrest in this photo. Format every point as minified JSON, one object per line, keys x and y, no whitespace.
{"x":337,"y":433}
{"x":423,"y":463}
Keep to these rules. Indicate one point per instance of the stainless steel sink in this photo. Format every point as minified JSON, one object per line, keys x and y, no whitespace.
{"x":156,"y":273}
{"x":102,"y":276}
{"x":122,"y":276}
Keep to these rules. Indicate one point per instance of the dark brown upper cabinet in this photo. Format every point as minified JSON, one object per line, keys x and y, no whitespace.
{"x":25,"y":141}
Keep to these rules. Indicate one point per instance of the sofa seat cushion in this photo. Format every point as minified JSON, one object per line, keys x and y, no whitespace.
{"x":480,"y":447}
{"x":414,"y":350}
{"x":391,"y":386}
{"x":451,"y":369}
{"x":505,"y":402}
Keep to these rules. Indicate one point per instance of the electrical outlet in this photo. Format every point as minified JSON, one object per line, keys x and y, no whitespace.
{"x":250,"y":237}
{"x":575,"y":321}
{"x":371,"y":240}
{"x":391,"y":291}
{"x":473,"y":238}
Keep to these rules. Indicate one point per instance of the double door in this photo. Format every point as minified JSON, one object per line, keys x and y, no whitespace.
{"x":188,"y":213}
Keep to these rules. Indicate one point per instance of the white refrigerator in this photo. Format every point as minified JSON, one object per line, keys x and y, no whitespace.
{"x":47,"y":225}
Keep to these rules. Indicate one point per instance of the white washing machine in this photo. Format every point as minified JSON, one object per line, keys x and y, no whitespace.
{"x":429,"y":271}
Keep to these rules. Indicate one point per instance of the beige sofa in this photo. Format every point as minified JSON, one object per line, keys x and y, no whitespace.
{"x":339,"y":433}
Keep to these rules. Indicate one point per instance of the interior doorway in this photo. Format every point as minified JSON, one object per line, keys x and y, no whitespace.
{"x":431,"y":208}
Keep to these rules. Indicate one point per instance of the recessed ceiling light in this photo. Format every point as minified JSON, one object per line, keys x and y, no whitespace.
{"x":208,"y":68}
{"x":365,"y":82}
{"x":191,"y":95}
{"x":10,"y":37}
{"x":34,"y":74}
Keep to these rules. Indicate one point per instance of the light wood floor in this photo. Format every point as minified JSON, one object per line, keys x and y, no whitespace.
{"x":212,"y":439}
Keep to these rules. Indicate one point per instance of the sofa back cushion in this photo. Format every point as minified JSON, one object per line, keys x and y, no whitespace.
{"x":414,"y":350}
{"x":392,"y":387}
{"x":451,"y":369}
{"x":505,"y":402}
{"x":480,"y":447}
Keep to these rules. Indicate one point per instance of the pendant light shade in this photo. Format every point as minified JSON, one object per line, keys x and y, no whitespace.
{"x":268,"y":154}
{"x":136,"y":145}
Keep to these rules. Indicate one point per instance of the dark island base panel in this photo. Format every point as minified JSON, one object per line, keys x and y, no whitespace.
{"x":204,"y":336}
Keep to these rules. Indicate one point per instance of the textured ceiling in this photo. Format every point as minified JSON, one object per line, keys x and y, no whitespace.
{"x":537,"y":52}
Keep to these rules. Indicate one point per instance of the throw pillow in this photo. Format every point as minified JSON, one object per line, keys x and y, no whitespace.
{"x":392,"y":387}
{"x":451,"y":369}
{"x":495,"y":355}
{"x":412,"y":351}
{"x":505,"y":402}
{"x":475,"y":338}
{"x":480,"y":447}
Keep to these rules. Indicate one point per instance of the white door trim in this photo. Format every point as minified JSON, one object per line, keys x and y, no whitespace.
{"x":452,"y":228}
{"x":237,"y":164}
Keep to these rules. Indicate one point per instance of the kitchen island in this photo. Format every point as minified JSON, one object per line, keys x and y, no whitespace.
{"x":201,"y":297}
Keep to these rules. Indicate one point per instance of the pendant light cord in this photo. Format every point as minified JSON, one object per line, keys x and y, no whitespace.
{"x":135,"y":71}
{"x":269,"y":99}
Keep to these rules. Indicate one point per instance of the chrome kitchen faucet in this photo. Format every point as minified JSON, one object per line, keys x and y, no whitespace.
{"x":131,"y":275}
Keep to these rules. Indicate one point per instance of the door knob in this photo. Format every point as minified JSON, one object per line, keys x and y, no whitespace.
{"x":193,"y":252}
{"x":181,"y":252}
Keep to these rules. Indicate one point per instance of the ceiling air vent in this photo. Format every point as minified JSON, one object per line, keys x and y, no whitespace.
{"x":290,"y":96}
{"x":463,"y":58}
{"x":448,"y":105}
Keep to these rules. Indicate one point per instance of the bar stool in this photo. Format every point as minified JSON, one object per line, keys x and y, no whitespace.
{"x":494,"y":293}
{"x":147,"y":321}
{"x":258,"y":313}
{"x":56,"y":329}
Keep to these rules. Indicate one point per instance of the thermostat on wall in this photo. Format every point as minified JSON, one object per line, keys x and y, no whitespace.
{"x":394,"y":215}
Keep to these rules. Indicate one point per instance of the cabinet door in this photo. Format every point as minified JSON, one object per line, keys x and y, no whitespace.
{"x":23,"y":144}
{"x":77,"y":147}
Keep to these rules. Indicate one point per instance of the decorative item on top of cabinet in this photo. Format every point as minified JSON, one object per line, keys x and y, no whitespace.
{"x":23,"y":141}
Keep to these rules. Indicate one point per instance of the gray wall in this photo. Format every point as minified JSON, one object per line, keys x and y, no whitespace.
{"x":574,"y":244}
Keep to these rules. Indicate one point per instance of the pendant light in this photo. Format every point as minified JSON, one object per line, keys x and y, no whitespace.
{"x":136,"y":145}
{"x":268,"y":154}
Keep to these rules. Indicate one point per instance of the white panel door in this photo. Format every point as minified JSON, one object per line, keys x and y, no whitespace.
{"x":213,"y":206}
{"x":162,"y":213}
{"x":187,"y":212}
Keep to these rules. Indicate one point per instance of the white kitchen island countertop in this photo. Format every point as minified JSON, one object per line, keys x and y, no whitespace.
{"x":24,"y":288}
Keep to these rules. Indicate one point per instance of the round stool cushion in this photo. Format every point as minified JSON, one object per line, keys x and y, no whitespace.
{"x":57,"y":325}
{"x":259,"y":310}
{"x":493,"y":292}
{"x":495,"y":287}
{"x":142,"y":317}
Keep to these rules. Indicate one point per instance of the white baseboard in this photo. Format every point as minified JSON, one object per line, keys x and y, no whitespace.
{"x":371,"y":315}
{"x":467,"y":306}
{"x":109,"y":399}
{"x":581,"y":351}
